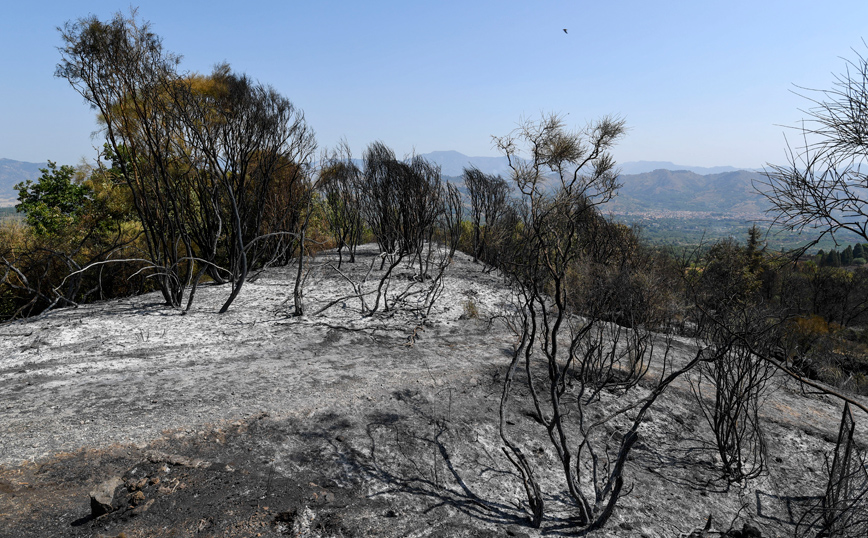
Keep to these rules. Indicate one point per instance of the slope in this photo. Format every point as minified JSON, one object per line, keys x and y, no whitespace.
{"x":12,"y":173}
{"x":255,"y":423}
{"x":682,"y":190}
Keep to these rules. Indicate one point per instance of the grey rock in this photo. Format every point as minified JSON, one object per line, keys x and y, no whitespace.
{"x":101,"y":497}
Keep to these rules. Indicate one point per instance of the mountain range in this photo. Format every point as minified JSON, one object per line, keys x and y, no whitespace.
{"x":13,"y":173}
{"x":647,"y":186}
{"x":452,"y":163}
{"x":650,"y":187}
{"x":668,"y":191}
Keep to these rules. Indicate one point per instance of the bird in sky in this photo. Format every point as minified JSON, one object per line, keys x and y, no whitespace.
{"x":565,"y":31}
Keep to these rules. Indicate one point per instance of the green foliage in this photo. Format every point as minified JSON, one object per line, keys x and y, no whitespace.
{"x":686,"y":233}
{"x":852,"y":255}
{"x":730,"y":276}
{"x":465,"y":242}
{"x":39,"y":271}
{"x":54,"y":201}
{"x":815,"y":303}
{"x":847,"y":256}
{"x":74,"y":217}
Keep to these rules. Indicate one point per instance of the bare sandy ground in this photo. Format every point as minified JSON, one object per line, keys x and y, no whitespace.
{"x":393,"y":422}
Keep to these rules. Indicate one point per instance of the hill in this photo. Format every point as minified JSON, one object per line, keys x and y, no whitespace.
{"x":258,"y":423}
{"x":639,"y":167}
{"x":452,"y":163}
{"x":648,"y":185}
{"x":12,"y":173}
{"x":664,"y":191}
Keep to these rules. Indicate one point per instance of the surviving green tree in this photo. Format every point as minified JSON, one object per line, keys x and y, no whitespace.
{"x":53,"y":201}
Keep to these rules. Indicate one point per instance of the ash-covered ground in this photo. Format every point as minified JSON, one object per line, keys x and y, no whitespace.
{"x":258,"y":423}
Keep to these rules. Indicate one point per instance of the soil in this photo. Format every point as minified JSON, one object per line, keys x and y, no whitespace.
{"x":258,"y":423}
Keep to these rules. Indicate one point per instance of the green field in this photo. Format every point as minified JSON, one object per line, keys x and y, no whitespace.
{"x":683,"y":233}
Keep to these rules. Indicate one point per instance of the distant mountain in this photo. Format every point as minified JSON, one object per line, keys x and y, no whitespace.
{"x":452,"y":163}
{"x":640,"y":167}
{"x":12,"y":173}
{"x":666,"y":188}
{"x":725,"y":193}
{"x":648,"y":186}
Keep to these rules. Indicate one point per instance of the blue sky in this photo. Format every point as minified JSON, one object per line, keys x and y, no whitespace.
{"x":699,"y":83}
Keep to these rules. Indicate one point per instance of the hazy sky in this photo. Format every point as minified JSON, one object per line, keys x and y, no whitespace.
{"x":699,"y":82}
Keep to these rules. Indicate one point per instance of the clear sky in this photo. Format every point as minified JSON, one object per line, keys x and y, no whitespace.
{"x":701,"y":83}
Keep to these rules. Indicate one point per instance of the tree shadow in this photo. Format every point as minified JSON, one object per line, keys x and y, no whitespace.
{"x":447,"y":463}
{"x":688,"y":467}
{"x":421,"y":463}
{"x":793,"y":512}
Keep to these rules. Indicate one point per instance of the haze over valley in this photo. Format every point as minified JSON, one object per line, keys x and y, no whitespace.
{"x":652,"y":192}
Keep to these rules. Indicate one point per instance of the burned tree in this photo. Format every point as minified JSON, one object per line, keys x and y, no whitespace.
{"x":449,"y":227}
{"x":199,"y":154}
{"x":730,"y":389}
{"x":421,"y":206}
{"x":416,"y":220}
{"x":738,"y":330}
{"x":402,"y":200}
{"x":822,"y":186}
{"x":489,"y":196}
{"x":121,"y":70}
{"x":242,"y":137}
{"x":574,"y":359}
{"x":842,"y":511}
{"x":339,"y":185}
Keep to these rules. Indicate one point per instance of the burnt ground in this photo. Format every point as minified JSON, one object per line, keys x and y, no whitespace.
{"x":254,"y":423}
